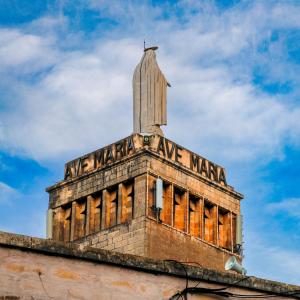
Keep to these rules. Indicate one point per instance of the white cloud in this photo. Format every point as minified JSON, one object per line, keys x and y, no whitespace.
{"x":273,"y":263}
{"x":26,"y":52}
{"x":271,"y":259}
{"x":84,"y":93}
{"x":290,"y":206}
{"x":7,"y":194}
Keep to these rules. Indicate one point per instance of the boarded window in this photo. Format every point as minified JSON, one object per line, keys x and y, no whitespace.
{"x":209,"y":222}
{"x":80,"y":219}
{"x":111,"y":206}
{"x":166,"y":214}
{"x":194,"y":215}
{"x":179,"y":209}
{"x":127,"y":201}
{"x":95,"y":212}
{"x":224,"y":229}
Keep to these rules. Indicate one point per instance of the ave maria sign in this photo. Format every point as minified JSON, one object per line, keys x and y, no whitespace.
{"x":136,"y":143}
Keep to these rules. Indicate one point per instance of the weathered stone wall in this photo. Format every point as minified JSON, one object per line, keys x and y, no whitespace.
{"x":187,"y":180}
{"x":37,"y":269}
{"x":165,"y":242}
{"x":128,"y":238}
{"x":71,"y":190}
{"x":104,"y":206}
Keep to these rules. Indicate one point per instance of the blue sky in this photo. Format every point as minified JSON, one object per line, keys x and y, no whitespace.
{"x":65,"y":89}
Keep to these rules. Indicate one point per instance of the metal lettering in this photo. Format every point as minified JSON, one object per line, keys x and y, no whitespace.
{"x":120,"y":149}
{"x":169,"y":152}
{"x":212,"y":171}
{"x":194,"y":162}
{"x":161,"y":146}
{"x":109,"y":155}
{"x":222,"y":177}
{"x":177,"y":154}
{"x":203,"y":168}
{"x":98,"y":158}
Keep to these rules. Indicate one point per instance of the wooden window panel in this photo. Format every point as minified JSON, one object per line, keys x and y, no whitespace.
{"x":194,"y":215}
{"x":95,"y":213}
{"x":80,"y":219}
{"x":224,"y":229}
{"x":127,"y":201}
{"x":62,"y":223}
{"x":166,"y":213}
{"x":67,"y":224}
{"x":111,"y":206}
{"x":209,"y":222}
{"x":179,"y":209}
{"x":57,"y":225}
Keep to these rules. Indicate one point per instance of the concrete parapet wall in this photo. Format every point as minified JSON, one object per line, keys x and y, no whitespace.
{"x":32,"y":268}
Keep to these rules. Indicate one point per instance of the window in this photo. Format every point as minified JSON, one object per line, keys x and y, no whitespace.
{"x":67,"y":212}
{"x":127,"y":201}
{"x":179,"y":208}
{"x":111,"y":206}
{"x":224,"y":229}
{"x":95,"y":212}
{"x":209,"y":222}
{"x":194,"y":215}
{"x":166,"y":214}
{"x":80,"y":219}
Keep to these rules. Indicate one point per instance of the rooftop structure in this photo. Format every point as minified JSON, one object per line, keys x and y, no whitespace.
{"x":147,"y":195}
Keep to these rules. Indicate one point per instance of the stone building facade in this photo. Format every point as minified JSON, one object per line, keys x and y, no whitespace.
{"x":109,"y":199}
{"x":39,"y":269}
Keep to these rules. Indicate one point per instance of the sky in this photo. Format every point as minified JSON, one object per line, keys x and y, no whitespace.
{"x":65,"y":89}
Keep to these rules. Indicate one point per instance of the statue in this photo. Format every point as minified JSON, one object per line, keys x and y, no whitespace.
{"x":149,"y":95}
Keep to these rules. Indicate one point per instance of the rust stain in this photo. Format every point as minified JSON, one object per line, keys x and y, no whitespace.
{"x":122,"y":283}
{"x":67,"y":274}
{"x":14,"y":267}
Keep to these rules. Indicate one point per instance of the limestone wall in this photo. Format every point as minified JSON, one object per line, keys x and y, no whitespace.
{"x":33,"y":269}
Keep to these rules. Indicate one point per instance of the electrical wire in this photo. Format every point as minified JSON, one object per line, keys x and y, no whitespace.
{"x":220,"y":291}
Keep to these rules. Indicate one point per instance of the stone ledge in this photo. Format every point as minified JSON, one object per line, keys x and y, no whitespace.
{"x":72,"y":251}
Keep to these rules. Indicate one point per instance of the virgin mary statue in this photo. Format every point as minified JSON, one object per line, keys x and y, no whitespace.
{"x":149,"y":95}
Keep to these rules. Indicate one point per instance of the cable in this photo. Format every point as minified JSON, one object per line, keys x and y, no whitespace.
{"x":186,"y":276}
{"x":197,"y":290}
{"x":220,"y":291}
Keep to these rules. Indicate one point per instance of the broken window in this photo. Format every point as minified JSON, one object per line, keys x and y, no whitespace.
{"x":224,"y":229}
{"x":209,"y":222}
{"x":179,"y":208}
{"x":95,"y":212}
{"x":80,"y":219}
{"x":194,"y":215}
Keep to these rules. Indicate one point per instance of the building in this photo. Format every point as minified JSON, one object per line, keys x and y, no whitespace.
{"x":147,"y":195}
{"x":142,"y":218}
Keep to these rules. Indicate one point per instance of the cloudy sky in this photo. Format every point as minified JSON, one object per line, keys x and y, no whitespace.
{"x":65,"y":89}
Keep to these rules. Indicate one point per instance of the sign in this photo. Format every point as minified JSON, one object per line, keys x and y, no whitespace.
{"x":155,"y":143}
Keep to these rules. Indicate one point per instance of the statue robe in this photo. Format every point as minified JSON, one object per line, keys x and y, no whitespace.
{"x":149,"y":95}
